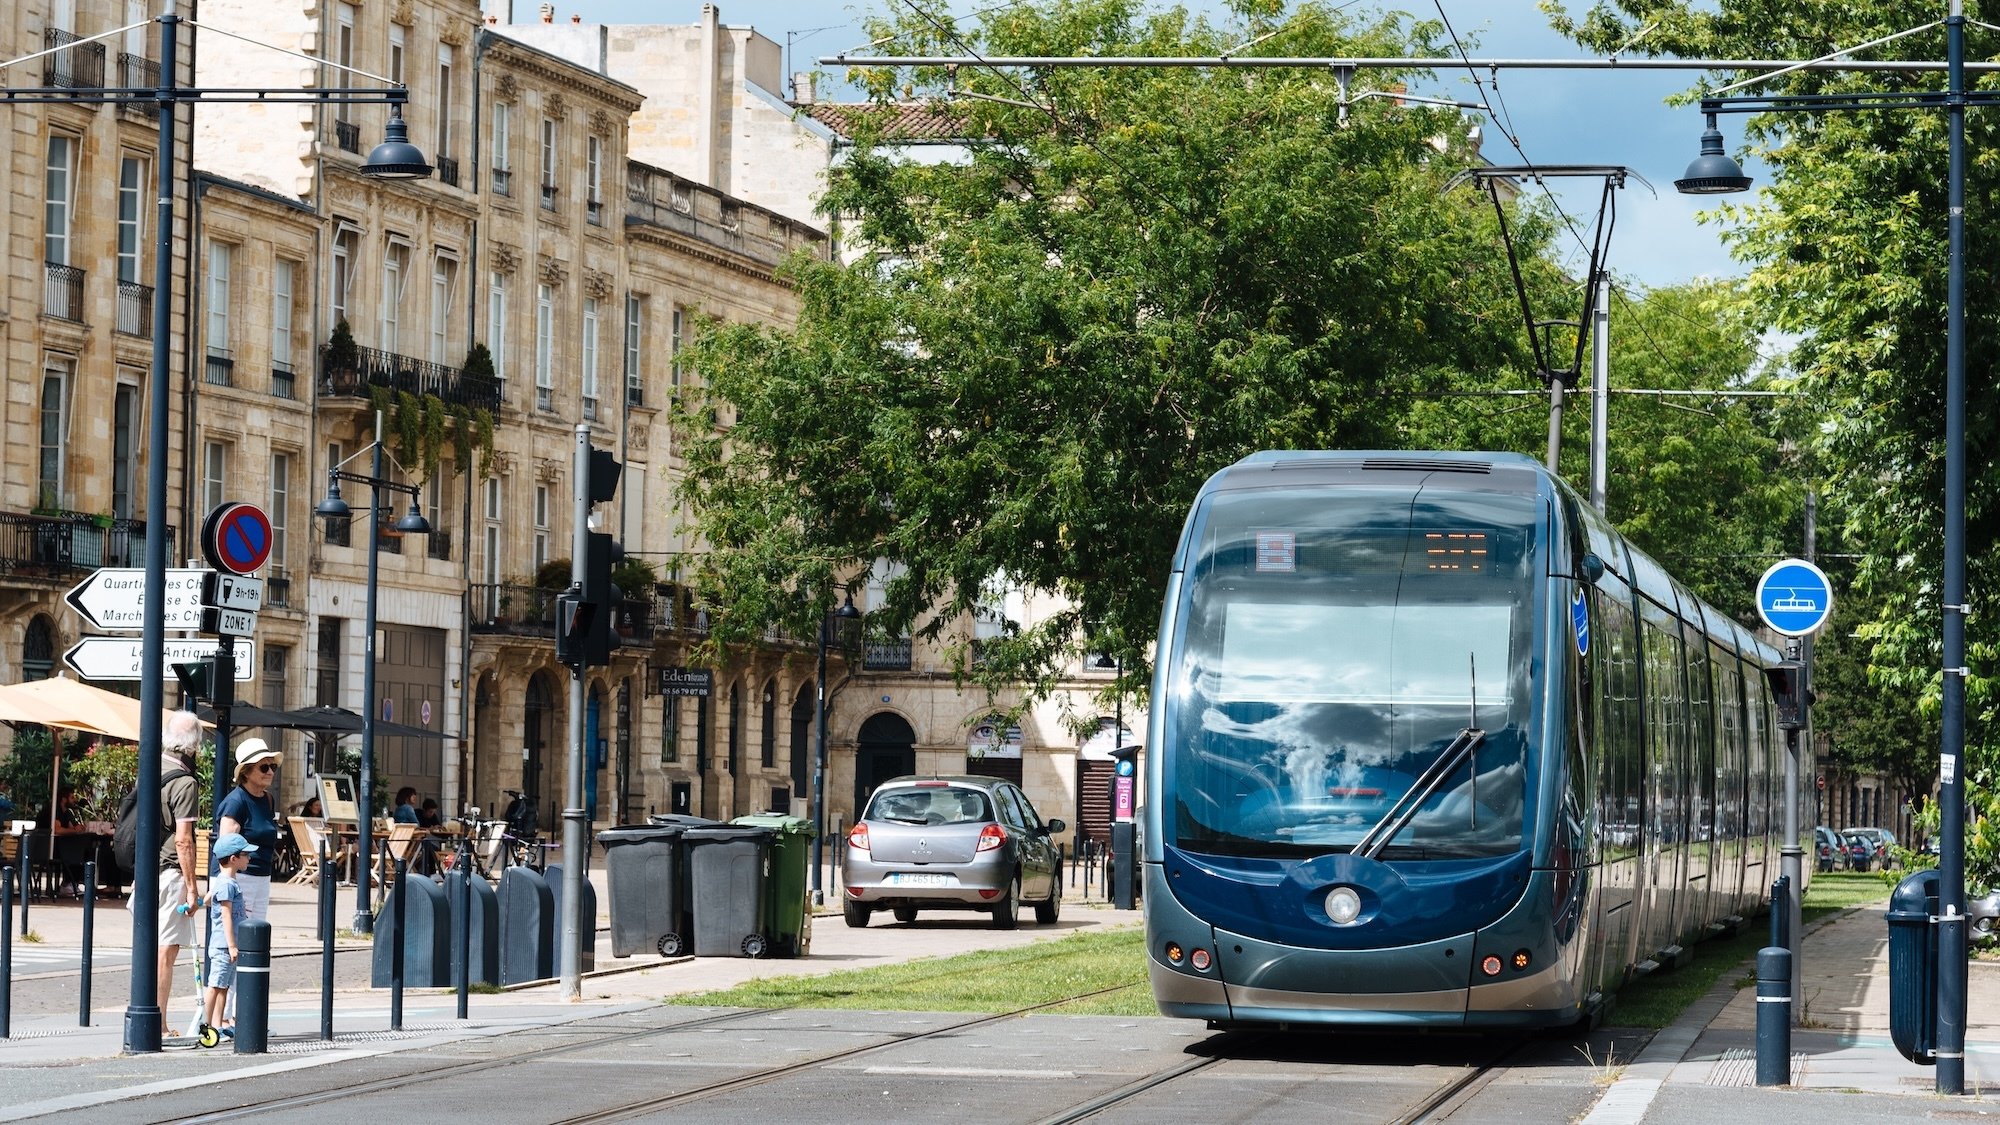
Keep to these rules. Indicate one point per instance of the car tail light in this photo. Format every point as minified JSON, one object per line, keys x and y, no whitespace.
{"x":858,"y":838}
{"x":990,"y":837}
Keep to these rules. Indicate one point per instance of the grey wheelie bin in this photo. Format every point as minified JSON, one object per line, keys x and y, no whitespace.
{"x":726,"y":869}
{"x":647,"y":866}
{"x":787,"y":915}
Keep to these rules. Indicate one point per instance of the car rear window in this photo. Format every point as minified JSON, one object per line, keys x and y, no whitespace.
{"x":931,"y":806}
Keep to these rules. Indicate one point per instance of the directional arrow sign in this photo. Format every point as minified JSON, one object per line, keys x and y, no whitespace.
{"x":115,"y":598}
{"x":117,"y":658}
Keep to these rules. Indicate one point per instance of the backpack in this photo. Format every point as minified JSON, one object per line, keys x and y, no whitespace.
{"x":125,"y":839}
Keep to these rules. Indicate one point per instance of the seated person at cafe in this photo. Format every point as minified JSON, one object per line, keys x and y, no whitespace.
{"x":406,"y":806}
{"x":310,"y":809}
{"x":429,"y":815}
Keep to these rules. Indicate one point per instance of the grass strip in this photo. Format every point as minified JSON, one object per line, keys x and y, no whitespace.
{"x":994,"y":980}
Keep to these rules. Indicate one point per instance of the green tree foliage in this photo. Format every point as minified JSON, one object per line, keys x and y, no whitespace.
{"x":1848,"y":244}
{"x":1138,"y":277}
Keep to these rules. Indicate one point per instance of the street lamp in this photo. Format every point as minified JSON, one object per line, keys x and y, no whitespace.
{"x":143,"y":1018}
{"x":413,"y":523}
{"x":1713,"y":172}
{"x":846,"y":612}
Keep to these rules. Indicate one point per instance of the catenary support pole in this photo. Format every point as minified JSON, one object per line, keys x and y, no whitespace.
{"x":573,"y":812}
{"x":89,"y":939}
{"x":1600,"y":392}
{"x":364,"y":820}
{"x":1951,"y":1012}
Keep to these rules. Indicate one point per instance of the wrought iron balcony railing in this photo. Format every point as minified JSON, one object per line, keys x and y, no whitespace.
{"x":62,"y":292}
{"x":135,"y":308}
{"x":447,"y":170}
{"x":219,"y":369}
{"x":886,"y":656}
{"x":284,"y":382}
{"x":347,"y":135}
{"x":137,"y":72}
{"x":79,"y":67}
{"x":503,"y":181}
{"x":375,"y":368}
{"x":68,"y":544}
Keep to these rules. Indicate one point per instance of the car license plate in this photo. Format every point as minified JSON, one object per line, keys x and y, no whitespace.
{"x":919,"y":879}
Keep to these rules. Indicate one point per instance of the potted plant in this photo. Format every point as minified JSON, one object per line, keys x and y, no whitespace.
{"x":504,"y":615}
{"x":635,"y":579}
{"x":342,"y":357}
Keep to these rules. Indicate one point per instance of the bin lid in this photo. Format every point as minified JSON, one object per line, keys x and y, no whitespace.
{"x":717,"y":833}
{"x":683,"y":819}
{"x":780,"y":823}
{"x":639,"y":833}
{"x":1915,"y":896}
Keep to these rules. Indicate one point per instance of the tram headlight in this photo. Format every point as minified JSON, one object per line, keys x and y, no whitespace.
{"x":1343,"y":905}
{"x":1174,"y":953}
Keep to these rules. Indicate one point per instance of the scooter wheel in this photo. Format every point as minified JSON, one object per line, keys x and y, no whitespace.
{"x":209,"y":1036}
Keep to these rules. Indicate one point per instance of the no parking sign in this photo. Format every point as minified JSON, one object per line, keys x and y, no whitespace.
{"x":236,"y":537}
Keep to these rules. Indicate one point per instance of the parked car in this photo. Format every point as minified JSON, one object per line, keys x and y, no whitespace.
{"x":952,"y":843}
{"x":1831,"y":849}
{"x":1884,"y":840}
{"x":1861,"y":852}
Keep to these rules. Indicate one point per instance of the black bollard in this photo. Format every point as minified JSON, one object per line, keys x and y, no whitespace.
{"x":1781,"y":912}
{"x":462,"y":946}
{"x":253,"y":987}
{"x":327,"y":887}
{"x":396,"y":951}
{"x":1774,"y":1016}
{"x":89,"y":925}
{"x":23,"y":885}
{"x":6,"y":958}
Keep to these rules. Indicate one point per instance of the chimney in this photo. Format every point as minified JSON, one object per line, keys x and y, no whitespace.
{"x":548,"y":13}
{"x":802,"y":88}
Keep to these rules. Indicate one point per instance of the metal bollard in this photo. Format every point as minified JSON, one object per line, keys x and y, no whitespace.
{"x":327,"y":887}
{"x":253,"y":987}
{"x":89,"y":926}
{"x":6,"y":958}
{"x":1774,"y":1016}
{"x":23,"y":885}
{"x":1781,"y":911}
{"x":462,"y":940}
{"x":396,"y":951}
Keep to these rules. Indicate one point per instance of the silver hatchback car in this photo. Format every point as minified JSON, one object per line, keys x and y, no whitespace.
{"x":952,"y":843}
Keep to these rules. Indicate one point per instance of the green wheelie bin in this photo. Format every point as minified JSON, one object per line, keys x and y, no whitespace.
{"x":787,"y":910}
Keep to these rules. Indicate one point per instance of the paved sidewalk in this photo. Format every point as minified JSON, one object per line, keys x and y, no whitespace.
{"x":1843,"y":1049}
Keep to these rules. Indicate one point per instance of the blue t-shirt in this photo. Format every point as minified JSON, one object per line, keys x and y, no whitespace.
{"x":259,"y":818}
{"x":406,"y":814}
{"x":225,"y":892}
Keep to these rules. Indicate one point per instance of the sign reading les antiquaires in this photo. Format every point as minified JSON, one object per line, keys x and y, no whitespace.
{"x":690,"y":683}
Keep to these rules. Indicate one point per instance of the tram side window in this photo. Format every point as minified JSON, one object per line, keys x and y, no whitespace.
{"x":1758,"y":758}
{"x":1619,"y":749}
{"x":1729,"y":745}
{"x":1665,"y":707}
{"x":1700,"y":742}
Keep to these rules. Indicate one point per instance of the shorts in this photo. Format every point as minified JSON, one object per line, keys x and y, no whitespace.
{"x":221,"y":970}
{"x":175,"y":928}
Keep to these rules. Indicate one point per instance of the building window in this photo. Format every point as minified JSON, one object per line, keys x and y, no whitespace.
{"x":124,"y":449}
{"x":338,"y":531}
{"x":541,"y":526}
{"x":545,"y":334}
{"x":767,"y":742}
{"x":503,"y":143}
{"x":635,"y":386}
{"x":548,"y":164}
{"x":395,"y":264}
{"x":593,"y":164}
{"x":277,"y":662}
{"x":590,"y":357}
{"x":489,"y":561}
{"x":283,"y":276}
{"x":54,"y":434}
{"x":57,"y":199}
{"x":220,"y":256}
{"x":396,"y":44}
{"x":214,"y":460}
{"x":346,"y":247}
{"x":131,"y":216}
{"x":670,"y":729}
{"x":674,"y":345}
{"x":343,"y":54}
{"x":444,"y":272}
{"x":496,"y":323}
{"x":447,"y":58}
{"x":281,"y":507}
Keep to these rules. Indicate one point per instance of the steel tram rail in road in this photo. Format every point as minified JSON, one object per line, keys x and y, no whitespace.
{"x":1432,"y":746}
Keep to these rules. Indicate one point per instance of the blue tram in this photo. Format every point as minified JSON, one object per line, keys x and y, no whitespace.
{"x":1432,"y":745}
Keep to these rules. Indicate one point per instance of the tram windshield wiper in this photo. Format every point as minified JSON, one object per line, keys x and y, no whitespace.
{"x":1400,"y":814}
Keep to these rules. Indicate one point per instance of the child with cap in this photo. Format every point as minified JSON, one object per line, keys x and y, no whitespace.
{"x":226,"y":910}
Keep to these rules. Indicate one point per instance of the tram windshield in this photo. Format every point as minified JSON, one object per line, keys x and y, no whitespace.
{"x":1339,"y":650}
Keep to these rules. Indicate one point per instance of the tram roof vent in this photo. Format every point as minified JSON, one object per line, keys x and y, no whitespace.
{"x":1425,"y":465}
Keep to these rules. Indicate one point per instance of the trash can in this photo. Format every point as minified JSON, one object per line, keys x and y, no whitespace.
{"x":726,"y":867}
{"x":647,"y":869}
{"x":787,"y":913}
{"x":1913,"y":967}
{"x":685,"y":820}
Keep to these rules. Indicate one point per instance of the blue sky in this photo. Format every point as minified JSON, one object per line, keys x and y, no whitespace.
{"x":1558,"y":117}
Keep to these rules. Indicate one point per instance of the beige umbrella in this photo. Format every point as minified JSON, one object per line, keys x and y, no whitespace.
{"x":63,"y":702}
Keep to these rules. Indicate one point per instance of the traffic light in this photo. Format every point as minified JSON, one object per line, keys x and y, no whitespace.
{"x":586,"y":616}
{"x":1789,"y":694}
{"x":196,"y":678}
{"x":604,"y":473}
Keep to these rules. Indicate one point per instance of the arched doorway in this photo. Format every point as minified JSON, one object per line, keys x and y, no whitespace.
{"x":802,"y":740}
{"x":538,"y":714}
{"x":38,"y":649}
{"x":885,"y":748}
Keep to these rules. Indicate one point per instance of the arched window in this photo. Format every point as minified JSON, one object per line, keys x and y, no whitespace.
{"x":38,"y":649}
{"x":767,"y":749}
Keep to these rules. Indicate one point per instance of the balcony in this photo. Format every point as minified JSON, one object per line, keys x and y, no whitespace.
{"x":375,"y":368}
{"x":79,"y":67}
{"x":62,"y":292}
{"x":278,"y":588}
{"x":135,"y":308}
{"x":447,"y":170}
{"x":347,"y":135}
{"x":886,"y":656}
{"x":68,"y":545}
{"x":503,"y":181}
{"x":548,"y":197}
{"x":137,"y":72}
{"x":659,"y":198}
{"x":284,"y":384}
{"x":220,"y":368}
{"x":593,"y":212}
{"x":504,"y":608}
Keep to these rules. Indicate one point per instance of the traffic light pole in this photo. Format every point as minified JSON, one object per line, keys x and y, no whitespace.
{"x":573,"y":813}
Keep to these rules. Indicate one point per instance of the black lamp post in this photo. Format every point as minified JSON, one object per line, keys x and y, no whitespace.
{"x":395,"y":159}
{"x":1713,"y":172}
{"x":412,"y":523}
{"x":846,"y":612}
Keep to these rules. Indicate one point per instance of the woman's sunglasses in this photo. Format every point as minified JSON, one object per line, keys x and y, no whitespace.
{"x":267,"y":767}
